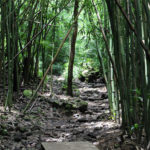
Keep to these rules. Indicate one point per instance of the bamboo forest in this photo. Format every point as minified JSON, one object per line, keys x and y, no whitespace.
{"x":74,"y":74}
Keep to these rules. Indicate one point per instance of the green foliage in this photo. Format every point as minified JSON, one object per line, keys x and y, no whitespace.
{"x":134,"y":128}
{"x":86,"y":57}
{"x":46,"y":44}
{"x":40,"y":75}
{"x":137,"y":96}
{"x":58,"y":69}
{"x":64,"y":86}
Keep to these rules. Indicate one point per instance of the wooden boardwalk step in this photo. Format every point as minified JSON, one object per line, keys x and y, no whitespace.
{"x":68,"y":146}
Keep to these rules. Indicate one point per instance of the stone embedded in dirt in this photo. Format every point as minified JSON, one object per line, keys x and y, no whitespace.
{"x":69,"y":146}
{"x":82,"y":105}
{"x":82,"y":119}
{"x":93,"y":98}
{"x":88,"y":112}
{"x":92,"y":135}
{"x":90,"y":76}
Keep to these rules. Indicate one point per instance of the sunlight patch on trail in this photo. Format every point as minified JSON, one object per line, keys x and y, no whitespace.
{"x":100,"y":124}
{"x":87,"y":89}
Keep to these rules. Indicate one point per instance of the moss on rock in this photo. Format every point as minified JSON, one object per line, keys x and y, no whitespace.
{"x":70,"y":104}
{"x":82,"y":105}
{"x":28,"y":93}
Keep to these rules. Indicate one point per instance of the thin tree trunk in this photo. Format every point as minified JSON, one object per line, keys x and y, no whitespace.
{"x":10,"y":49}
{"x":72,"y":51}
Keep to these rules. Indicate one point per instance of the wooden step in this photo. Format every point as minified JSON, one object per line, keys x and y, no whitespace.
{"x":68,"y":146}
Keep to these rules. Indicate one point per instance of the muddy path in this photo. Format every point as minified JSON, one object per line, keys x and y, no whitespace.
{"x":46,"y":123}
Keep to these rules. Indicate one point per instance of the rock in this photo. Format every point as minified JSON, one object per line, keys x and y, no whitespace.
{"x":17,"y":137}
{"x":92,"y":98}
{"x":91,"y":135}
{"x":70,"y":104}
{"x":82,"y":105}
{"x":69,"y":146}
{"x":28,"y":93}
{"x":83,"y":119}
{"x":88,"y":112}
{"x":89,"y":75}
{"x":82,"y":79}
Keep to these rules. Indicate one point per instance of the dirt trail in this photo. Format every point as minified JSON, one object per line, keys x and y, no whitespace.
{"x":47,"y":123}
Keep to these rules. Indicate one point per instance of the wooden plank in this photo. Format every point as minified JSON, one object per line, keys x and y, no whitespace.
{"x":68,"y":146}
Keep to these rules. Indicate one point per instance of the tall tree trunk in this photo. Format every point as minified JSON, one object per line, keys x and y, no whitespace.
{"x":3,"y":34}
{"x":72,"y":51}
